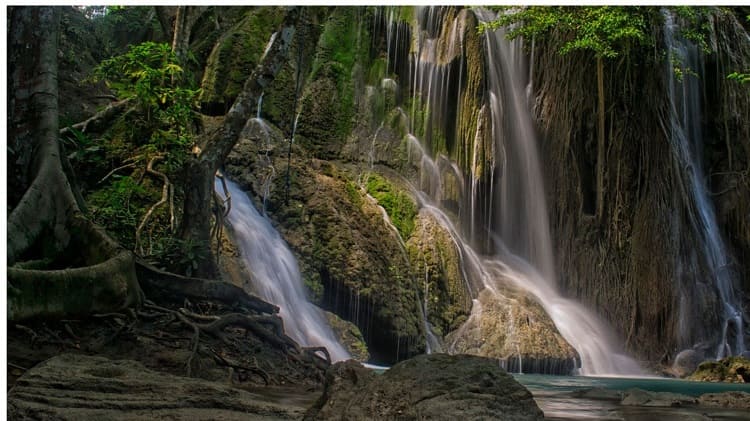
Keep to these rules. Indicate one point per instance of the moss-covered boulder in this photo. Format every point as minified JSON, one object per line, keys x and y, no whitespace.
{"x":435,"y":261}
{"x":730,"y":369}
{"x":514,"y":328}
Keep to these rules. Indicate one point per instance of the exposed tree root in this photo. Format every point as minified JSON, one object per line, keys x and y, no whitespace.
{"x":157,"y":282}
{"x":166,"y":188}
{"x":47,"y":222}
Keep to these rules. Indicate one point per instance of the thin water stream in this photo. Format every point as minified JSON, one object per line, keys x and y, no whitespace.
{"x":276,"y":276}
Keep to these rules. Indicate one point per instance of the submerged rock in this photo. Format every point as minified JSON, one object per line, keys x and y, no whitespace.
{"x":734,"y":400}
{"x":73,"y":386}
{"x":639,"y":397}
{"x":436,"y":386}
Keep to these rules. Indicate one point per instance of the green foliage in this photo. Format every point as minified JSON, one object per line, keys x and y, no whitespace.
{"x":739,"y":77}
{"x":83,"y":147}
{"x":185,"y":255}
{"x":607,"y":31}
{"x":695,"y":25}
{"x":400,"y":207}
{"x":150,"y":73}
{"x":115,"y":208}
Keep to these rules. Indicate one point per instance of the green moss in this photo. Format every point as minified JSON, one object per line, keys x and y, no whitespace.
{"x":352,"y":191}
{"x":730,"y":369}
{"x":377,"y":71}
{"x":328,"y":108}
{"x":400,"y":207}
{"x":236,"y":54}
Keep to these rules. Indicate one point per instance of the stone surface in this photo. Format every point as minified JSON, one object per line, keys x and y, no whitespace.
{"x":730,"y":369}
{"x":78,"y":387}
{"x":735,"y":400}
{"x":435,"y":260}
{"x":510,"y":325}
{"x":436,"y":387}
{"x":639,"y":397}
{"x":686,"y":362}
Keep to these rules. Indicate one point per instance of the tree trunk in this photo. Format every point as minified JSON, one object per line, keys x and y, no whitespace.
{"x":47,"y":225}
{"x":600,"y":149}
{"x":185,"y":18}
{"x":196,"y":221}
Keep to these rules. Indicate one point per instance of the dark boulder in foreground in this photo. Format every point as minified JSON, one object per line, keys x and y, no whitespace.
{"x":436,"y":387}
{"x":78,"y":387}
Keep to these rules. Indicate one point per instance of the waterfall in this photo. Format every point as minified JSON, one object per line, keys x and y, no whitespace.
{"x":686,"y":142}
{"x":276,"y":276}
{"x":507,"y":209}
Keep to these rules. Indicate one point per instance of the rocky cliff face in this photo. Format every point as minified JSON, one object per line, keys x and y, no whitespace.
{"x":394,"y":100}
{"x":639,"y":264}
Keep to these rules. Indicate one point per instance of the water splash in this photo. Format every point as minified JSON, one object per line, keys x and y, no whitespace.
{"x":276,"y":276}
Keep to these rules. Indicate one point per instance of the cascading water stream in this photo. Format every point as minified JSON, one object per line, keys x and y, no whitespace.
{"x":276,"y":276}
{"x":515,"y":220}
{"x":686,"y":141}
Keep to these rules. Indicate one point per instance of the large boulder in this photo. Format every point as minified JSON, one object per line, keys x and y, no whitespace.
{"x":514,"y":328}
{"x":81,"y":387}
{"x":436,"y":387}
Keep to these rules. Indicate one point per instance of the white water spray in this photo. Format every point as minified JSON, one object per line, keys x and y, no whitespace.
{"x":276,"y":276}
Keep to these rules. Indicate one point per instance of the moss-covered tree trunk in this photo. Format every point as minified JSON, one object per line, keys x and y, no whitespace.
{"x":46,"y":228}
{"x":196,"y":223}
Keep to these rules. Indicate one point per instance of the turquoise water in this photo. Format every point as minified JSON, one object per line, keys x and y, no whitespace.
{"x":555,"y":396}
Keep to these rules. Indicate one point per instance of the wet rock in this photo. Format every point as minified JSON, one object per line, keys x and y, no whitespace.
{"x":686,"y":362}
{"x":72,"y":386}
{"x":349,"y":336}
{"x":734,"y":400}
{"x":730,"y":369}
{"x":599,"y":394}
{"x":639,"y":397}
{"x":436,"y":386}
{"x":513,"y":325}
{"x":436,"y":263}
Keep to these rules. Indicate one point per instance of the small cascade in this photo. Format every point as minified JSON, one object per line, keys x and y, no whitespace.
{"x":276,"y":276}
{"x":687,"y":142}
{"x":264,"y":130}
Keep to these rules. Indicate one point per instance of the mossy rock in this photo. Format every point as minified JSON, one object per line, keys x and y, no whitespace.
{"x":730,"y":370}
{"x":343,"y":244}
{"x":436,"y":262}
{"x":350,"y":336}
{"x":235,"y":55}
